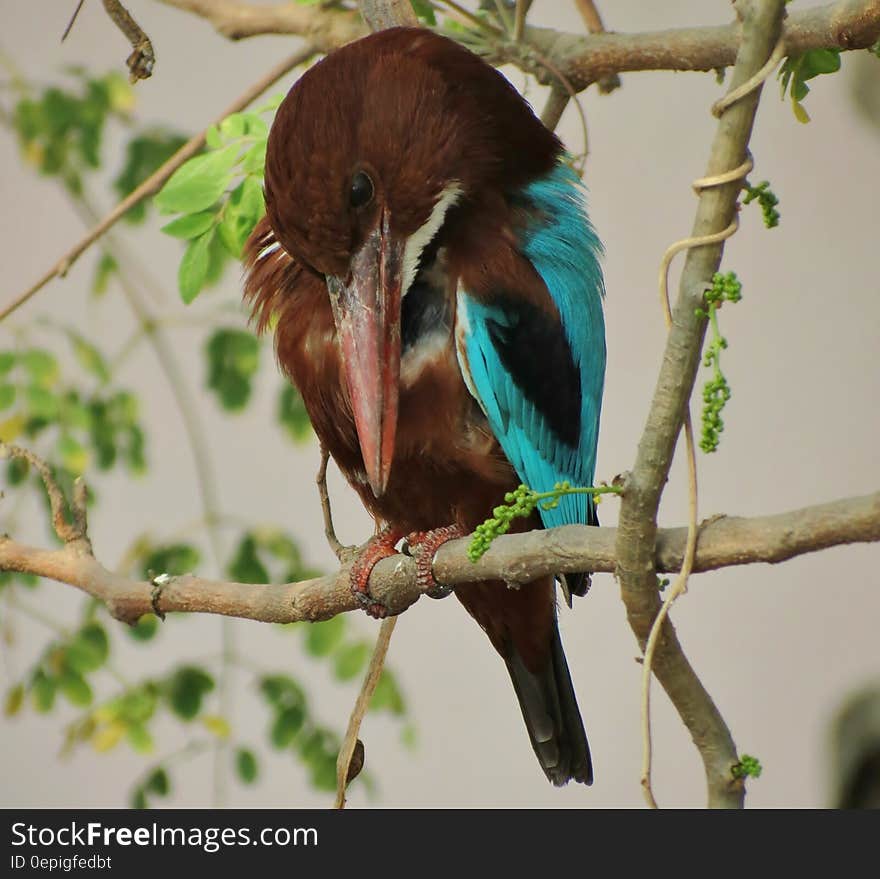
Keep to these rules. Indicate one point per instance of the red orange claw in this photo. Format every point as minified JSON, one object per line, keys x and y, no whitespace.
{"x":426,"y":544}
{"x":379,"y":547}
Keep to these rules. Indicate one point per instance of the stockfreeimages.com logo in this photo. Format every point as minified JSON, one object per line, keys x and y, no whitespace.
{"x":209,"y":839}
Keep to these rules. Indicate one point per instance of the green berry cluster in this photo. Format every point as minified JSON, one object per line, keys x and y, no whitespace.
{"x":521,"y":503}
{"x":716,"y":391}
{"x":518,"y":503}
{"x":767,"y":199}
{"x":748,"y":767}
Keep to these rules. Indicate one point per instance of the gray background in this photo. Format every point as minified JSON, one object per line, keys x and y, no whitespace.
{"x":778,"y":647}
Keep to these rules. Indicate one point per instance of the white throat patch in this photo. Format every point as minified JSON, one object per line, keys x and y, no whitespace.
{"x":421,"y":238}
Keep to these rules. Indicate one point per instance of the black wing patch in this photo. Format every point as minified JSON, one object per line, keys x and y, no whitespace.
{"x":531,"y":345}
{"x":426,"y":306}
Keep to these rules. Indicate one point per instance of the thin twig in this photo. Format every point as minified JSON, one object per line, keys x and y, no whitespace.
{"x":140,"y":62}
{"x":66,"y":531}
{"x":73,"y":18}
{"x":557,"y":101}
{"x":371,"y":679}
{"x":519,"y":20}
{"x":329,"y":531}
{"x":563,"y":81}
{"x":156,"y":180}
{"x":475,"y":20}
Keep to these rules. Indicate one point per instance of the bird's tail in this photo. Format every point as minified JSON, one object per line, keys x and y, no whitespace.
{"x":553,"y":719}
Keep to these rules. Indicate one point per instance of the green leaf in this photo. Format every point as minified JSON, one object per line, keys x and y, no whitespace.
{"x":252,"y":204}
{"x":190,"y":225}
{"x":272,"y":104}
{"x":41,"y":366}
{"x":41,"y":403}
{"x":216,"y":725}
{"x":138,"y":799}
{"x":14,"y":700}
{"x":212,"y":137}
{"x":17,"y":471}
{"x":43,"y":691}
{"x":282,"y":691}
{"x":800,"y":113}
{"x":799,"y":90}
{"x":218,"y":258}
{"x":144,"y":154}
{"x":323,"y":637}
{"x":187,"y":687}
{"x":233,"y":359}
{"x":409,"y":736}
{"x":246,"y":765}
{"x":158,"y":783}
{"x":254,"y":160}
{"x":245,"y":566}
{"x":241,"y":213}
{"x":233,"y":126}
{"x":194,"y":266}
{"x":7,"y":396}
{"x":95,"y":635}
{"x":424,"y":12}
{"x":819,"y":61}
{"x":75,"y":688}
{"x":104,"y":270}
{"x":72,"y":455}
{"x":145,"y":628}
{"x":174,"y":559}
{"x":255,"y":126}
{"x":387,"y":695}
{"x":7,"y":361}
{"x":292,"y":414}
{"x":286,"y":725}
{"x":139,"y":738}
{"x":198,"y":183}
{"x":350,"y":660}
{"x":88,"y":650}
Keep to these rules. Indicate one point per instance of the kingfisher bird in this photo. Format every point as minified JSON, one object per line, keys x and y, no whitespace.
{"x":427,"y":262}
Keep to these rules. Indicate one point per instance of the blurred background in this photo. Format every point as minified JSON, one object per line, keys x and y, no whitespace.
{"x":780,"y":648}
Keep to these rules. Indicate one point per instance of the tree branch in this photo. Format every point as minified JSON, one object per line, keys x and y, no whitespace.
{"x":517,"y":558}
{"x":643,"y":487}
{"x":381,"y":14}
{"x":325,"y":28}
{"x":851,"y":24}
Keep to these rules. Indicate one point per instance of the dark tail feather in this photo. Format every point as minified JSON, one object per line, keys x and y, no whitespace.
{"x":550,"y":710}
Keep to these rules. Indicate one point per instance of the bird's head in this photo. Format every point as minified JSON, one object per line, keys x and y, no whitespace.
{"x":372,"y":153}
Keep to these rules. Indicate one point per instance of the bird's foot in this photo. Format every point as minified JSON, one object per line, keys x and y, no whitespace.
{"x":426,"y":544}
{"x":378,"y":547}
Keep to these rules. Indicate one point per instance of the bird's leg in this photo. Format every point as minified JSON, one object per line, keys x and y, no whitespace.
{"x":379,"y":546}
{"x":426,"y":544}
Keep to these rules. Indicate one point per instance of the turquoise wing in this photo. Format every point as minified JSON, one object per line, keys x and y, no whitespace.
{"x":537,"y":377}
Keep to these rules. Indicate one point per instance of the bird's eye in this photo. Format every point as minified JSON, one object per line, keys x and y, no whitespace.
{"x":361,"y":192}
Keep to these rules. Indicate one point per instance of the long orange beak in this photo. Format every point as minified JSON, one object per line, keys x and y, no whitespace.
{"x":366,"y":309}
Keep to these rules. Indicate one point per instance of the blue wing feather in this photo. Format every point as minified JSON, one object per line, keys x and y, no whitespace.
{"x":564,"y":249}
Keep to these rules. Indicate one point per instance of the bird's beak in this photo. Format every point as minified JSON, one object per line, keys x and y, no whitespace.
{"x":366,"y":309}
